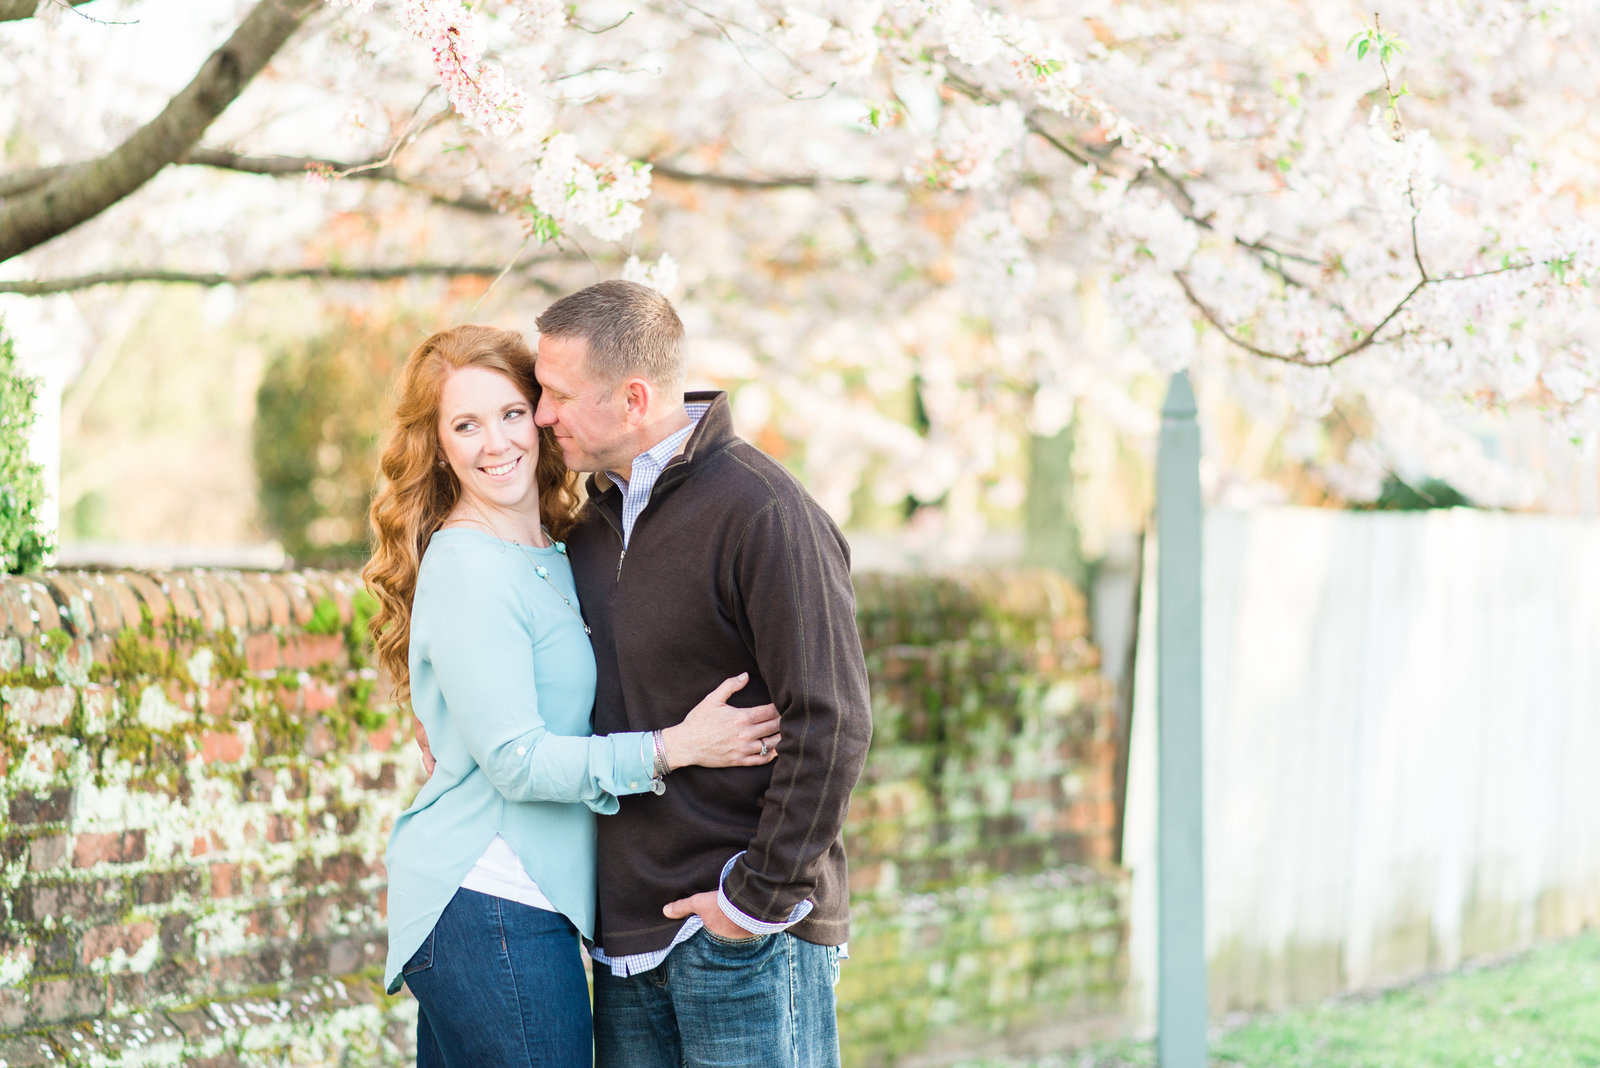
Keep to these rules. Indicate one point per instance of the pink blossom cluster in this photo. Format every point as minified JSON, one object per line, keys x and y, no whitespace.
{"x":482,"y":94}
{"x":485,"y":97}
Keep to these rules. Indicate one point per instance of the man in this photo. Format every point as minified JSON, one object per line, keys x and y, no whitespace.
{"x":723,"y":899}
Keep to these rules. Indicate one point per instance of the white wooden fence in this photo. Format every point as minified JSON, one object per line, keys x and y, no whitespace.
{"x":1402,"y":734}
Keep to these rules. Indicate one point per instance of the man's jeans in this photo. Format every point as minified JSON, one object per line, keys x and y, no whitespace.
{"x":765,"y":1002}
{"x":500,"y":983}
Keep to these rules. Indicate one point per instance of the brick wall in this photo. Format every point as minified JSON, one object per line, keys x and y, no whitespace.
{"x":196,"y":789}
{"x":197,"y":782}
{"x":987,"y":915}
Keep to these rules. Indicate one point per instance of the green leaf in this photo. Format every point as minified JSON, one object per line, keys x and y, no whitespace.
{"x":1361,"y":49}
{"x":546,"y":229}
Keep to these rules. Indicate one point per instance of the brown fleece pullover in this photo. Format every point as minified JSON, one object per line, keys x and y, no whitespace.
{"x":731,"y":567}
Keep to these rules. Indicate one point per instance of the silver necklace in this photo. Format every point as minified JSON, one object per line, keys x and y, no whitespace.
{"x":538,"y":568}
{"x":544,"y":573}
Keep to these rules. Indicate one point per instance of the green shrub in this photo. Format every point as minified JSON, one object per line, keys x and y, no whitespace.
{"x":319,"y":412}
{"x":1398,"y":496}
{"x":23,"y":542}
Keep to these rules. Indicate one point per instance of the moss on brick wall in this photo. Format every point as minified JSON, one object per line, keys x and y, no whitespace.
{"x":198,"y":785}
{"x":986,"y":911}
{"x":197,"y":790}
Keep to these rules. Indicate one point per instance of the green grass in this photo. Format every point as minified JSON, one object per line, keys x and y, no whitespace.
{"x":1538,"y":1010}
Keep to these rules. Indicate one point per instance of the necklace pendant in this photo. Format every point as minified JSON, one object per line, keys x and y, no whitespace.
{"x":544,"y":573}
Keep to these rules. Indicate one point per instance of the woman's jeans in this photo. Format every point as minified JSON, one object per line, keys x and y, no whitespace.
{"x":500,"y":983}
{"x":763,"y":1002}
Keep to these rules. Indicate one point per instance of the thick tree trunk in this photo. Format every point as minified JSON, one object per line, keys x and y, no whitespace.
{"x":90,"y":188}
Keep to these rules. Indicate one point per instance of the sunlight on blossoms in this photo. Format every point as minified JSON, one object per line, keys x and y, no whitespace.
{"x":603,"y":199}
{"x":973,"y":32}
{"x":800,"y":31}
{"x":540,"y":18}
{"x":910,"y":235}
{"x":977,"y":146}
{"x":662,"y":275}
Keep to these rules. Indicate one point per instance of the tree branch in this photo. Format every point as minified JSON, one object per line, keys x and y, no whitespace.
{"x":1367,"y":340}
{"x":51,"y":286}
{"x":722,"y":28}
{"x":225,"y":159}
{"x":20,"y":182}
{"x":733,"y":181}
{"x":1171,"y":186}
{"x":14,"y":10}
{"x":1416,"y":240}
{"x":1076,"y":153}
{"x":374,"y":170}
{"x":81,"y":194}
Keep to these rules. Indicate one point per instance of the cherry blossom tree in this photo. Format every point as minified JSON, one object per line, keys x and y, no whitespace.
{"x":913,"y":232}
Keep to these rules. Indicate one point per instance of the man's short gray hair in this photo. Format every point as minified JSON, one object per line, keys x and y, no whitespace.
{"x":631,"y":329}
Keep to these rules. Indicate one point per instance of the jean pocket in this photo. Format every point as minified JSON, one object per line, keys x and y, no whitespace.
{"x":422,"y":959}
{"x":735,"y":943}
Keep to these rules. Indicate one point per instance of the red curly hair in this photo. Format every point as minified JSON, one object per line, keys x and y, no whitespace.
{"x":415,"y":494}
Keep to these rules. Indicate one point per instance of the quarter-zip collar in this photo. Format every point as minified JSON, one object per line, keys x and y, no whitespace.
{"x":711,"y":434}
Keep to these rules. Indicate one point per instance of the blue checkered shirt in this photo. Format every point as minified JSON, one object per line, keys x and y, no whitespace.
{"x":647,"y":467}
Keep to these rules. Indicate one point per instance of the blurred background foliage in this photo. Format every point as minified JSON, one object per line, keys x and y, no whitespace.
{"x":23,"y":545}
{"x":238,"y":427}
{"x":320,"y":410}
{"x":250,"y":417}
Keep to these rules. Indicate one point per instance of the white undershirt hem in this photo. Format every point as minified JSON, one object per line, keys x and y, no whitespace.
{"x":500,"y":873}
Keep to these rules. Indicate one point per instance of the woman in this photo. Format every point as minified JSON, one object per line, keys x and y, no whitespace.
{"x":491,"y":869}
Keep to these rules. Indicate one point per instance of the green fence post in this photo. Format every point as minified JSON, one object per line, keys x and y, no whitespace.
{"x":1181,"y":1006}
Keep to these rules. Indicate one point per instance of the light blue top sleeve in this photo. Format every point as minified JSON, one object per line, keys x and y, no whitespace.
{"x":511,"y":662}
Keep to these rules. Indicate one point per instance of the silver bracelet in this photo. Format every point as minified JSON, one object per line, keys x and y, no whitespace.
{"x":661,"y":755}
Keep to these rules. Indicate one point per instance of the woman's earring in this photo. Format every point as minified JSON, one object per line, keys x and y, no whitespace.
{"x":443,"y":463}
